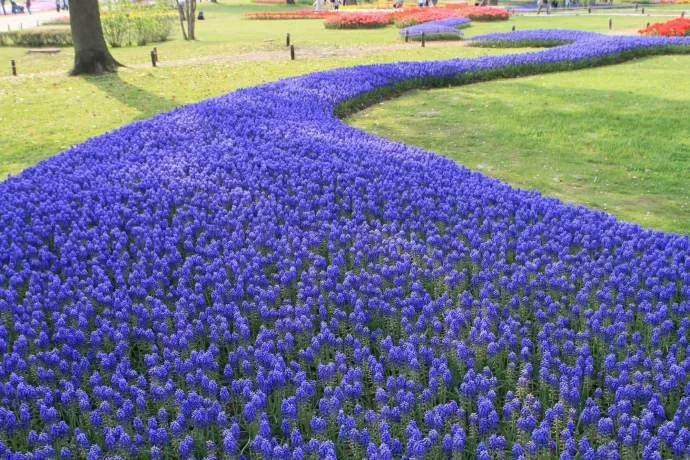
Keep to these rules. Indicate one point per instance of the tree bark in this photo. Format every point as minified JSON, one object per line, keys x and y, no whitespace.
{"x":91,"y":54}
{"x":191,"y":18}
{"x":182,"y":20}
{"x":290,"y":2}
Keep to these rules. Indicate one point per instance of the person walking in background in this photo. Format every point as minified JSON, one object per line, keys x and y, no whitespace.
{"x":16,"y":9}
{"x":336,"y":4}
{"x":65,"y":5}
{"x":2,"y":3}
{"x":28,"y":6}
{"x":57,"y":5}
{"x":544,"y":3}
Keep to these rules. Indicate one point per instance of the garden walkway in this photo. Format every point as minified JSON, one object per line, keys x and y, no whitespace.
{"x":26,"y":21}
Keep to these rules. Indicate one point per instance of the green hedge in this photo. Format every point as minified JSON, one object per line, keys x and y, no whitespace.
{"x":34,"y":38}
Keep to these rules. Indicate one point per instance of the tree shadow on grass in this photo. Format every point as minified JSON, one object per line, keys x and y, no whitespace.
{"x":145,"y":102}
{"x":26,"y":154}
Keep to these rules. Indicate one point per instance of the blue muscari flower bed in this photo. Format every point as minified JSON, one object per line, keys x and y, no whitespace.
{"x":441,"y":29}
{"x":535,"y":37}
{"x":248,"y":277}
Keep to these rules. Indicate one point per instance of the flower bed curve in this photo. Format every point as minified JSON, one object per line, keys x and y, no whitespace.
{"x":443,"y":29}
{"x":248,"y":276}
{"x":545,"y":38}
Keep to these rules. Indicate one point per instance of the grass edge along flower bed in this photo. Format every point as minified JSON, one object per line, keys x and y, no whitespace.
{"x":301,"y":14}
{"x":437,"y":36}
{"x":248,"y":277}
{"x":517,"y":44}
{"x":361,"y":102}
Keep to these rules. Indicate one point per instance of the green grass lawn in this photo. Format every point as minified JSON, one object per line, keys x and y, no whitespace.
{"x":615,"y":138}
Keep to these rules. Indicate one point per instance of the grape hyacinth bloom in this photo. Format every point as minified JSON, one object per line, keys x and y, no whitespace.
{"x":249,"y":277}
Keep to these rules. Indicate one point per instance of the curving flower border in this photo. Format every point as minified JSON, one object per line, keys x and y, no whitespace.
{"x":442,"y":29}
{"x":247,"y":208}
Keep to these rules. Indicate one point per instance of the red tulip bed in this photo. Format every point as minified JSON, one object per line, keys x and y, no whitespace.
{"x":376,"y":19}
{"x":674,"y":28}
{"x":357,"y":21}
{"x":485,"y":13}
{"x":412,"y":16}
{"x":422,"y":15}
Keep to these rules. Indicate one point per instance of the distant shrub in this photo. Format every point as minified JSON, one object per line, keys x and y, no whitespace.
{"x":41,"y":36}
{"x":126,"y":23}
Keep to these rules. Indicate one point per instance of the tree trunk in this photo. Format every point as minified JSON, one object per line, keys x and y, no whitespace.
{"x":290,"y":2}
{"x":91,"y":54}
{"x":190,"y":32}
{"x":191,"y":18}
{"x":182,"y":20}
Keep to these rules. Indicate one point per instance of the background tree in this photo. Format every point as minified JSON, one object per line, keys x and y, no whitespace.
{"x":187,"y":9}
{"x":180,"y":9}
{"x":191,"y":18}
{"x":91,"y":54}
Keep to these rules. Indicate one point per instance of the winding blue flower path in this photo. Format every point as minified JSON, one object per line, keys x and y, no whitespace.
{"x":250,"y":275}
{"x":446,"y":27}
